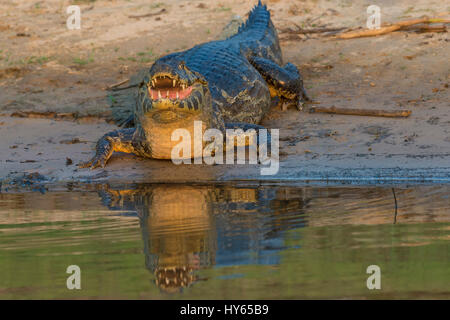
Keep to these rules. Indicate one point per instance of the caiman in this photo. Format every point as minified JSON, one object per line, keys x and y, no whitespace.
{"x":225,"y":84}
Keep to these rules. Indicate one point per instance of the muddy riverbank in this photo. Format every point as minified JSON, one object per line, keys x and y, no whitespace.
{"x":46,"y":68}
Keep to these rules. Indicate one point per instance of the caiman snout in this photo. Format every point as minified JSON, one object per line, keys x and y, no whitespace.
{"x":168,"y":91}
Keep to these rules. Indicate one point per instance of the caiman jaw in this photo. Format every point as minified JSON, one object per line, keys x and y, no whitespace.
{"x":167,"y":90}
{"x":175,"y":103}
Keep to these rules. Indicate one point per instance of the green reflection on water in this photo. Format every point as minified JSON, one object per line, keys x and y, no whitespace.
{"x":262,"y":243}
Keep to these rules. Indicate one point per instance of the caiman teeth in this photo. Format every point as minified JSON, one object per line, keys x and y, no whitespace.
{"x":162,"y":86}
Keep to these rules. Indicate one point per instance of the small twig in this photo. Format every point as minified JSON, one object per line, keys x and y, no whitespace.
{"x":362,"y":112}
{"x":315,"y":30}
{"x":124,"y":88}
{"x":396,"y":207}
{"x":149,"y":14}
{"x":389,"y":28}
{"x":427,"y":28}
{"x":316,"y":18}
{"x":117,"y":84}
{"x":52,"y":115}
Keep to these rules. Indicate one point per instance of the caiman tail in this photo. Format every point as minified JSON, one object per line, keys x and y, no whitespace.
{"x":259,"y":33}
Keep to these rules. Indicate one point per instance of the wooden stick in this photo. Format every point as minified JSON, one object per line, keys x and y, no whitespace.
{"x":362,"y":112}
{"x":315,"y":30}
{"x":116,"y":84}
{"x":427,"y":28}
{"x":125,"y":88}
{"x":148,"y":14}
{"x":367,"y":33}
{"x":390,"y":28}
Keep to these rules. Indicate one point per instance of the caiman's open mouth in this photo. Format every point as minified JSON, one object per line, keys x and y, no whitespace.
{"x":175,"y":278}
{"x":166,"y":86}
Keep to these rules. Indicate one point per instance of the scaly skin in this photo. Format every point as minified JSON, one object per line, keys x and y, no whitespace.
{"x":220,"y":82}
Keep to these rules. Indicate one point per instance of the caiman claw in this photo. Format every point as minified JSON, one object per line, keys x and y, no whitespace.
{"x":104,"y":150}
{"x":95,"y":162}
{"x":302,"y":98}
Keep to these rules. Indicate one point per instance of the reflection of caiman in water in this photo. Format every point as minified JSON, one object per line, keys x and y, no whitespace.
{"x":187,"y":228}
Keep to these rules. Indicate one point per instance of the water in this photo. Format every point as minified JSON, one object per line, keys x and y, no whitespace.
{"x":226,"y":242}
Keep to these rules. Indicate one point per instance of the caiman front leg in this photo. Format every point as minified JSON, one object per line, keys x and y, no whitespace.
{"x":119,"y":140}
{"x":285,"y":82}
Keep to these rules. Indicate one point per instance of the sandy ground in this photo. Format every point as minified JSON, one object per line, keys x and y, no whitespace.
{"x":45,"y":67}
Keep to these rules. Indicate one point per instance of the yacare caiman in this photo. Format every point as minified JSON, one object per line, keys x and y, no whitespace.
{"x":226,"y":84}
